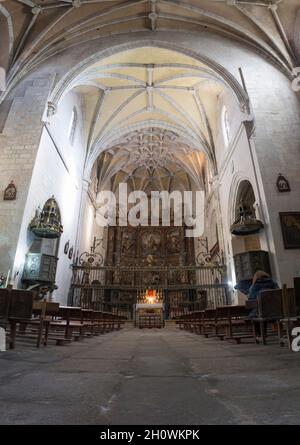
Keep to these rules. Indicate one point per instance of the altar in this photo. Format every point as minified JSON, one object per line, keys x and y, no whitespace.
{"x":149,"y":311}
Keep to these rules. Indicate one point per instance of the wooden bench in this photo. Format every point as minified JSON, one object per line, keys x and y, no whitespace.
{"x":232,"y":323}
{"x":19,"y":310}
{"x":183,"y":321}
{"x":150,"y":321}
{"x":209,"y":323}
{"x":4,"y":307}
{"x":114,"y":321}
{"x":32,"y":317}
{"x":240,"y":327}
{"x":78,"y":323}
{"x":69,"y":322}
{"x":48,"y":312}
{"x":196,"y":322}
{"x":290,"y":316}
{"x":106,"y":321}
{"x":224,"y":322}
{"x":269,"y":308}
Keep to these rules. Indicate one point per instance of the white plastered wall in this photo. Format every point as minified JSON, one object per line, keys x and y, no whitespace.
{"x":58,"y":172}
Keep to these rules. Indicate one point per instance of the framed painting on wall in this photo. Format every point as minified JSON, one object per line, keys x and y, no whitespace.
{"x":290,"y":227}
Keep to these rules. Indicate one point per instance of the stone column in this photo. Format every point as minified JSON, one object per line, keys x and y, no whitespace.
{"x":19,"y":143}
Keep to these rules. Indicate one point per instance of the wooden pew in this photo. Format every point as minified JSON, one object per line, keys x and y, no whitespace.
{"x":209,"y":323}
{"x":68,"y":321}
{"x":26,"y":313}
{"x":197,"y":322}
{"x":185,"y":321}
{"x":179,"y":320}
{"x":47,"y":320}
{"x":229,"y":322}
{"x":104,"y":322}
{"x":4,"y":307}
{"x":101,"y":322}
{"x":113,"y":321}
{"x":78,"y":323}
{"x":290,"y":318}
{"x":234,"y":322}
{"x":20,"y":310}
{"x":119,"y":322}
{"x":192,"y":321}
{"x":44,"y":311}
{"x":269,"y":307}
{"x":150,"y":321}
{"x":275,"y":308}
{"x":87,"y":319}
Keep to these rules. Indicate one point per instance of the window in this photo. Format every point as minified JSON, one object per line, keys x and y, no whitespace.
{"x":225,"y":126}
{"x":72,"y":126}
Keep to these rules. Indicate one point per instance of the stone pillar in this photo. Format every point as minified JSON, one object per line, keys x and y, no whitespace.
{"x":276,"y":143}
{"x":19,"y":143}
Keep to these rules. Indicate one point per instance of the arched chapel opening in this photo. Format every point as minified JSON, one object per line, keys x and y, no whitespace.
{"x":153,"y":113}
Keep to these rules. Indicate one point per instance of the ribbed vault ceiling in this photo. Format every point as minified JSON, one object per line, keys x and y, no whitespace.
{"x":149,"y":84}
{"x":34,"y":30}
{"x":152,"y":159}
{"x":151,"y":110}
{"x":147,"y":110}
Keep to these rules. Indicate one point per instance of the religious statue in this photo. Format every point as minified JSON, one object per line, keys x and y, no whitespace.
{"x":151,"y":243}
{"x":245,"y":212}
{"x":128,"y":243}
{"x":10,"y":193}
{"x":283,"y":185}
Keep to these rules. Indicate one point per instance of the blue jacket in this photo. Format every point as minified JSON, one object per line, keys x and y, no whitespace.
{"x":263,"y":283}
{"x":243,"y":286}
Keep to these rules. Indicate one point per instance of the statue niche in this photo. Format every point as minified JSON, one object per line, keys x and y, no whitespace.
{"x":151,"y":243}
{"x":129,"y":242}
{"x":173,"y":241}
{"x":151,"y":278}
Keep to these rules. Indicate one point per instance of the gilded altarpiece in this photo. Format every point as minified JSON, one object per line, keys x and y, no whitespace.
{"x":152,"y":248}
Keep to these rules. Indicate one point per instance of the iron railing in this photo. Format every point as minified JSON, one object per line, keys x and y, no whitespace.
{"x":98,"y":287}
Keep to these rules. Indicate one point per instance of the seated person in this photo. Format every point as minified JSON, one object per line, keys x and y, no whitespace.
{"x":243,"y":286}
{"x":261,"y":281}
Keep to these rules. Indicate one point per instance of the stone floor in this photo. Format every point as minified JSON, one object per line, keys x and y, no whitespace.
{"x":150,"y":377}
